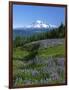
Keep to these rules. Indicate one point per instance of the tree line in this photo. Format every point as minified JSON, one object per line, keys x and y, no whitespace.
{"x":53,"y":33}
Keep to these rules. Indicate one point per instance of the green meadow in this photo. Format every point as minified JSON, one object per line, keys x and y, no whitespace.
{"x":32,"y":73}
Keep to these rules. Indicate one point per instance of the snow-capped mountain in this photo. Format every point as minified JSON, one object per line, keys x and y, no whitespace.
{"x":40,"y":24}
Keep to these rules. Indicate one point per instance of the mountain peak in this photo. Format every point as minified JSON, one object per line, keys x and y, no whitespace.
{"x":40,"y":24}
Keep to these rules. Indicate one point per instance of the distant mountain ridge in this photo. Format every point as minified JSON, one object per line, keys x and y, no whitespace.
{"x":38,"y":24}
{"x":27,"y":32}
{"x":34,"y":28}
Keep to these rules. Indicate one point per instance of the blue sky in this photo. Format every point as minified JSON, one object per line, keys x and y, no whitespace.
{"x":26,"y":14}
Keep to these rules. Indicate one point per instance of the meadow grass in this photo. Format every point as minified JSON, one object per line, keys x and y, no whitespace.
{"x":45,"y":52}
{"x":52,"y":51}
{"x":26,"y":73}
{"x":19,"y":53}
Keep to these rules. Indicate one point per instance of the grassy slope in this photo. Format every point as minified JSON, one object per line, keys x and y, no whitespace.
{"x":19,"y":53}
{"x":19,"y":65}
{"x":52,"y":51}
{"x":46,"y":52}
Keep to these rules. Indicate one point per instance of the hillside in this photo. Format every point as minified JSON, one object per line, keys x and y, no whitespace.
{"x":42,"y":64}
